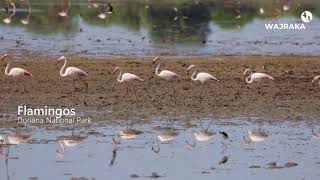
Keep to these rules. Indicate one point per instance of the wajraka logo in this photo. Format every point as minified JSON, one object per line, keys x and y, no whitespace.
{"x":289,"y":23}
{"x":306,"y":16}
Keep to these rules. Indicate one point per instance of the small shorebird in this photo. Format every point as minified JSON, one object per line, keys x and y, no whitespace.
{"x":255,"y":136}
{"x":167,"y":75}
{"x":126,"y":78}
{"x":14,"y":139}
{"x":74,"y":73}
{"x":15,"y":72}
{"x":201,"y":77}
{"x":67,"y":142}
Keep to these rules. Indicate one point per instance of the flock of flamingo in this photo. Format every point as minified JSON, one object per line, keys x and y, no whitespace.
{"x":77,"y":73}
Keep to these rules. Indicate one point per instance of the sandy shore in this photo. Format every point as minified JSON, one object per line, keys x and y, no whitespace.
{"x":291,"y":96}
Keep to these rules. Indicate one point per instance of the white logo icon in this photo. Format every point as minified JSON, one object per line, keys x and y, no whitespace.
{"x":306,"y":16}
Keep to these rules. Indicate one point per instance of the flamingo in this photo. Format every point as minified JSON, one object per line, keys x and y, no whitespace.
{"x":16,"y":73}
{"x":255,"y":136}
{"x":316,"y":78}
{"x":165,"y":74}
{"x":126,"y":77}
{"x":70,"y":141}
{"x":257,"y":78}
{"x":75,"y":73}
{"x":201,"y":77}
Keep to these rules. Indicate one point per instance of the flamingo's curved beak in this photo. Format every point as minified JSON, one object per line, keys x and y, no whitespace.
{"x":61,"y":58}
{"x":4,"y":56}
{"x":115,"y":70}
{"x":155,"y":59}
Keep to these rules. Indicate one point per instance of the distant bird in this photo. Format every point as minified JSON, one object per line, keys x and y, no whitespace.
{"x":15,"y":72}
{"x":167,"y":75}
{"x":126,"y":77}
{"x":255,"y":136}
{"x":201,"y":77}
{"x":167,"y":136}
{"x":74,"y":73}
{"x":14,"y":139}
{"x":316,"y":134}
{"x":67,"y":142}
{"x":316,"y":78}
{"x":64,"y":8}
{"x":261,"y":11}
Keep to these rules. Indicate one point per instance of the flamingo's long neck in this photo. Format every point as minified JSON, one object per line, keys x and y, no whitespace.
{"x":119,"y":79}
{"x":63,"y":68}
{"x":193,"y":76}
{"x":6,"y":71}
{"x":157,"y":69}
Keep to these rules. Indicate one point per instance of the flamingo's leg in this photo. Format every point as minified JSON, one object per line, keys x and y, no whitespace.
{"x":126,"y":92}
{"x":85,"y":95}
{"x":174,"y":93}
{"x":12,"y":91}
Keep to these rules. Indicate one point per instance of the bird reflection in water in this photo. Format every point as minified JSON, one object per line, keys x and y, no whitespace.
{"x":165,"y":136}
{"x":316,"y":134}
{"x":255,"y":136}
{"x":10,"y":11}
{"x":25,"y":20}
{"x":63,"y":8}
{"x":68,"y":142}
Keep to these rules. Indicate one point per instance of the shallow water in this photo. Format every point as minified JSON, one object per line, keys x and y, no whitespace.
{"x":170,"y":29}
{"x":290,"y":142}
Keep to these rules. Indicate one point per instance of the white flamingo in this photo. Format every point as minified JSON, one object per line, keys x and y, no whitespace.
{"x":126,"y":77}
{"x":255,"y":136}
{"x":167,"y":75}
{"x":316,"y":78}
{"x":15,"y":72}
{"x":74,"y":73}
{"x":257,"y":78}
{"x":201,"y":77}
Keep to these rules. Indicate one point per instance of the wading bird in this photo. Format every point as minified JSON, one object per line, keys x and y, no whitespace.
{"x":165,"y":137}
{"x":64,"y":6}
{"x":167,"y":75}
{"x":126,"y":77}
{"x":257,"y":78}
{"x":315,"y":79}
{"x":74,"y":73}
{"x":204,"y":135}
{"x":255,"y":136}
{"x":15,"y":72}
{"x":201,"y":77}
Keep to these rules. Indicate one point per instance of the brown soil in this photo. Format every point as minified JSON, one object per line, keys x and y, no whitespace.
{"x":291,"y":96}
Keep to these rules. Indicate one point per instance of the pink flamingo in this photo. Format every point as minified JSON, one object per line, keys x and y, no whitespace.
{"x":316,"y":78}
{"x":167,"y":75}
{"x":126,"y":77}
{"x":14,"y":72}
{"x":75,"y":73}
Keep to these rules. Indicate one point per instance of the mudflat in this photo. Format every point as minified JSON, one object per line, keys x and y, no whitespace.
{"x":290,"y":96}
